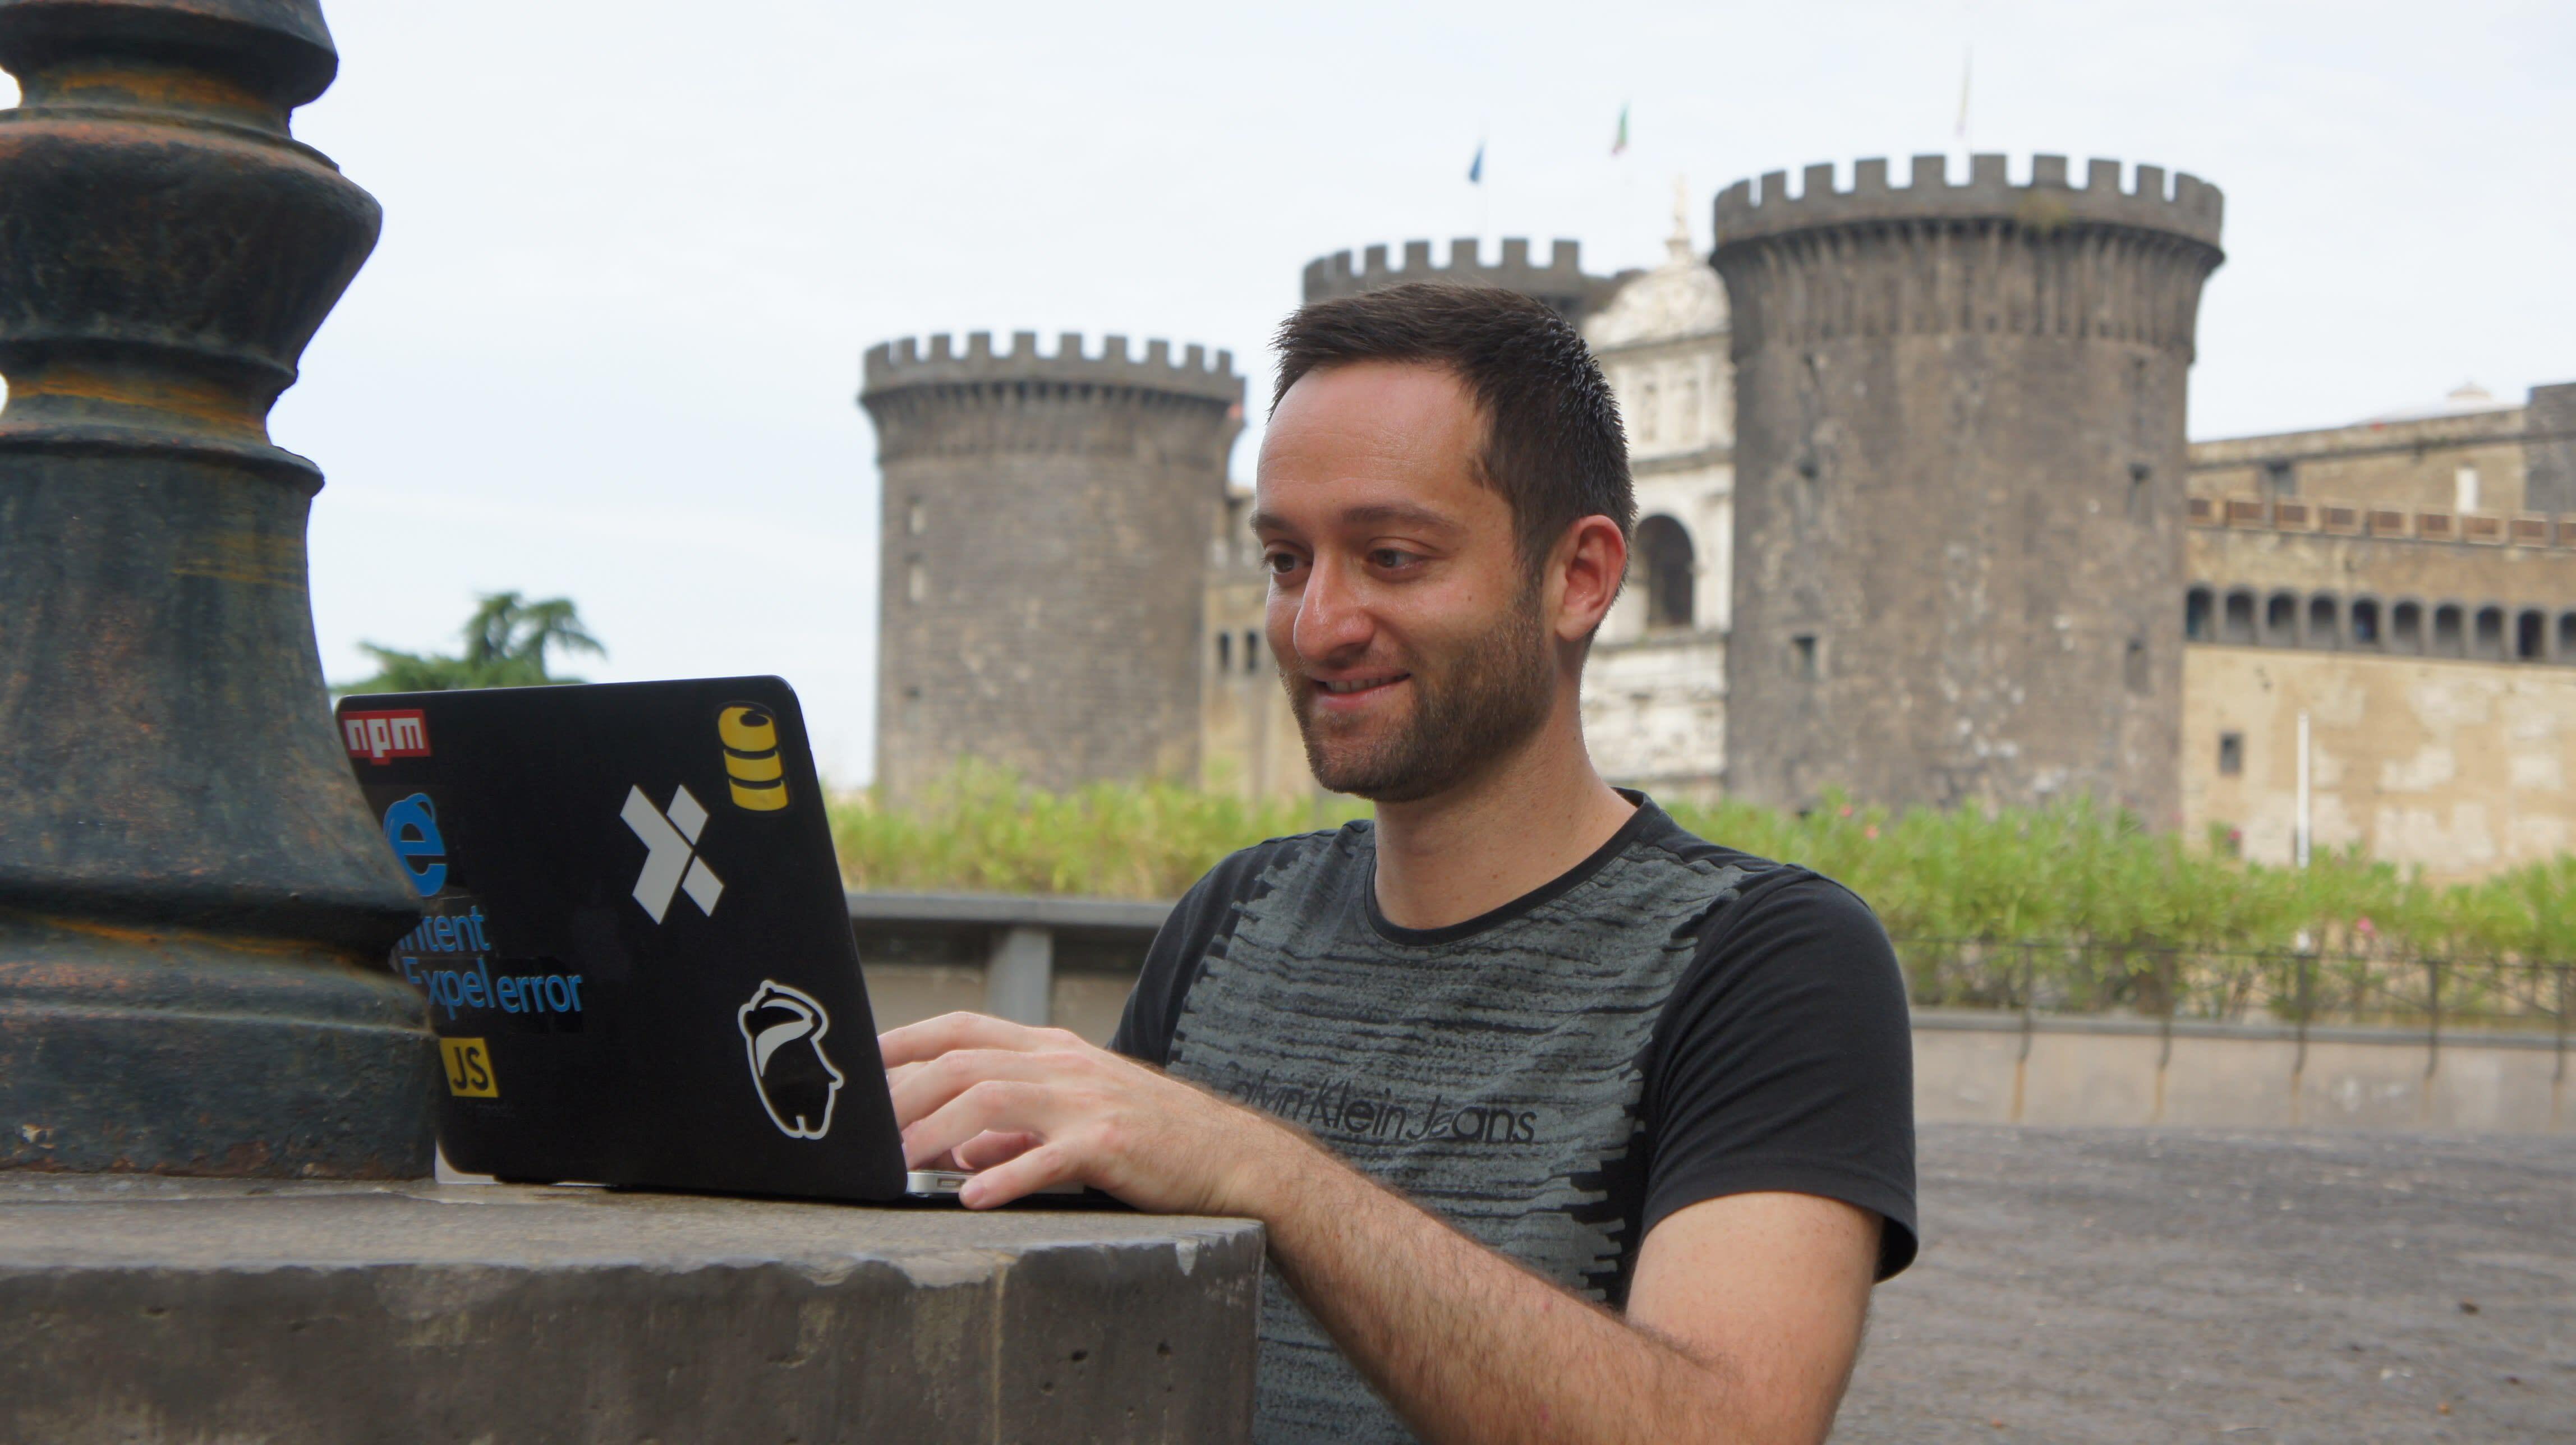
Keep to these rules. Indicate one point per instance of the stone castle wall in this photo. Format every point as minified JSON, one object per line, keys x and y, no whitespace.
{"x":1043,"y":518}
{"x":1561,"y":283}
{"x":2460,"y":767}
{"x":1959,"y":482}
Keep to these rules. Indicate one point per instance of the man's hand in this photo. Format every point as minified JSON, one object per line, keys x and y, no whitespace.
{"x":1744,"y":1317}
{"x":1029,"y":1107}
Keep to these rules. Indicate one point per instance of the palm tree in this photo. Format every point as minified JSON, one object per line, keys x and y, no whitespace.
{"x":506,"y":641}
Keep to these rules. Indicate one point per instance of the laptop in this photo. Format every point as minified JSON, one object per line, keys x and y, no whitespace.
{"x":636,"y":948}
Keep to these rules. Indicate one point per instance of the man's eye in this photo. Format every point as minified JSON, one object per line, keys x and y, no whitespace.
{"x":1281,"y":561}
{"x":1391,"y":558}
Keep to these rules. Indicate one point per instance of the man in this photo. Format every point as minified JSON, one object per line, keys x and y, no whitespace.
{"x":1563,"y":1123}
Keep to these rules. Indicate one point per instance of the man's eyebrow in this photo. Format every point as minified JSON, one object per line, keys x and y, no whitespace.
{"x":1401,"y":513}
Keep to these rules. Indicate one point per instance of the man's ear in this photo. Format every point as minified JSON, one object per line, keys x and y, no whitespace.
{"x":1585,"y":570}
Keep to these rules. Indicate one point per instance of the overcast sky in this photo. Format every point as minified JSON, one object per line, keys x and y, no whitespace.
{"x":633,"y":248}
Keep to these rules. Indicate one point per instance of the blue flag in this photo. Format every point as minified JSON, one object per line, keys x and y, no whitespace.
{"x":1476,"y":167}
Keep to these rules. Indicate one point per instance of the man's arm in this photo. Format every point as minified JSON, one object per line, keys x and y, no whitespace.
{"x":1743,"y":1319}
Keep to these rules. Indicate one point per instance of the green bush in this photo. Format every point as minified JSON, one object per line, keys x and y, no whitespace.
{"x":2068,"y":906}
{"x":981,"y":830}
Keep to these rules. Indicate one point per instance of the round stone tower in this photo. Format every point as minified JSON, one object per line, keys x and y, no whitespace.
{"x":1959,"y":483}
{"x":1046,"y":524}
{"x":1560,"y":283}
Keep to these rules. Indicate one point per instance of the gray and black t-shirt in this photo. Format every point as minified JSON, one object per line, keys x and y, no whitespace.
{"x":1668,"y":1022}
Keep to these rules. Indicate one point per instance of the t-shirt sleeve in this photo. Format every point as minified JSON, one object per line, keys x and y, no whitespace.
{"x":1784,"y":1061}
{"x":1204,"y":915}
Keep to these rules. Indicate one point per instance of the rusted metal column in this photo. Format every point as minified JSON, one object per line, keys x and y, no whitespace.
{"x":192,"y":895}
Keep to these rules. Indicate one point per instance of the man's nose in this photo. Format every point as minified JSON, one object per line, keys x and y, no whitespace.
{"x":1331,"y":620}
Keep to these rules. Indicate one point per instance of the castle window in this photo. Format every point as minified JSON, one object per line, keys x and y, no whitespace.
{"x":2238,"y":626}
{"x":2323,"y":630}
{"x":1671,"y":567}
{"x":2365,"y":622}
{"x":1251,"y":650}
{"x":916,"y":583}
{"x":2464,"y":490}
{"x":2447,"y":638}
{"x":2133,"y":666}
{"x":1690,"y":428}
{"x":2531,"y":637}
{"x":2281,"y":621}
{"x":2280,"y":479}
{"x":2197,"y":605}
{"x":2231,"y":754}
{"x":1802,"y":656}
{"x":2567,"y":637}
{"x":2488,"y":640}
{"x":2142,"y":498}
{"x":2406,"y":627}
{"x":916,"y":518}
{"x":1225,"y":652}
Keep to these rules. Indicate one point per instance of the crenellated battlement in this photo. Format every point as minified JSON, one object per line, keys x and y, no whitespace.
{"x":936,"y":360}
{"x":2181,"y":204}
{"x":1561,"y":283}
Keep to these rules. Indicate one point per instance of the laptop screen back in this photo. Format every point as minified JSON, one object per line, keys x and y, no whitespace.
{"x":637,"y":952}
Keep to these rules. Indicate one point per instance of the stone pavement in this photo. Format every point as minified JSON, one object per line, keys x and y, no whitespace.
{"x":2171,"y":1285}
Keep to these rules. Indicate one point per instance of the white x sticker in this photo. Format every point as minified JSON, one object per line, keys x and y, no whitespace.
{"x":670,"y":844}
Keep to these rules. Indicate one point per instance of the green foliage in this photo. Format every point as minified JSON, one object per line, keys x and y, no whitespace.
{"x":981,"y":830}
{"x":2070,"y":906}
{"x":506,"y":641}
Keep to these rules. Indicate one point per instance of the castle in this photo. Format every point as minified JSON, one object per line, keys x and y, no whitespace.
{"x":1919,"y":522}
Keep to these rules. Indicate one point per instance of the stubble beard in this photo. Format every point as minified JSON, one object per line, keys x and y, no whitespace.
{"x":1479,"y":705}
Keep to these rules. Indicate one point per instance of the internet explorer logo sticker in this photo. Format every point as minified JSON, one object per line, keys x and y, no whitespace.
{"x":411,"y":826}
{"x":782,"y":1029}
{"x":671,"y":863}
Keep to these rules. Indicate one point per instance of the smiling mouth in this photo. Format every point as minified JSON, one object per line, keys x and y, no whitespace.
{"x":1345,"y":686}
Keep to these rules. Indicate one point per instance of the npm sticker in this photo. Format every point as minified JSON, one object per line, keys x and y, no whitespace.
{"x":380,"y":736}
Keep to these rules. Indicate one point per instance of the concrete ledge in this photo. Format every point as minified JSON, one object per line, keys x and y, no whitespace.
{"x":1118,"y":917}
{"x":137,"y":1309}
{"x":1986,"y":1069}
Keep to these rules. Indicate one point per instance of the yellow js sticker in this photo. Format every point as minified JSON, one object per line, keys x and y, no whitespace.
{"x":469,"y":1069}
{"x":752,"y":764}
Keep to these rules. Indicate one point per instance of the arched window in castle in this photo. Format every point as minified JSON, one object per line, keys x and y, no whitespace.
{"x":1671,"y":583}
{"x":2406,"y":627}
{"x":2448,"y":637}
{"x":2487,"y":641}
{"x":2531,"y":637}
{"x":2365,"y":622}
{"x":2281,"y":621}
{"x":1648,"y":402}
{"x":2324,"y":627}
{"x":1251,"y":650}
{"x":2197,"y":605}
{"x":1224,"y":652}
{"x":2567,"y":637}
{"x":916,"y":583}
{"x":1689,"y":430}
{"x":2238,"y":625}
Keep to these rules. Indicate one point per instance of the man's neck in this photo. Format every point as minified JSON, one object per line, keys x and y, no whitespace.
{"x":1538,"y":813}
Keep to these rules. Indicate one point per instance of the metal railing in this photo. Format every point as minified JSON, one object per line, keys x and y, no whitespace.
{"x":1022,"y":941}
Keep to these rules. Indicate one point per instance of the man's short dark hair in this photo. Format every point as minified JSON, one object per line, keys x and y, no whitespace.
{"x":1553,"y":444}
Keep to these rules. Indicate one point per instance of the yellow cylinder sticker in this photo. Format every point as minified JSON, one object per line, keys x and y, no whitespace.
{"x":752,"y":764}
{"x":469,"y":1069}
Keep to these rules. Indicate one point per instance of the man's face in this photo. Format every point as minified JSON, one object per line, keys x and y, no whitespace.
{"x":1409,"y":631}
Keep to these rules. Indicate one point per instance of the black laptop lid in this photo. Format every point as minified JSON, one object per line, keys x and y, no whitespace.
{"x":637,"y":953}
